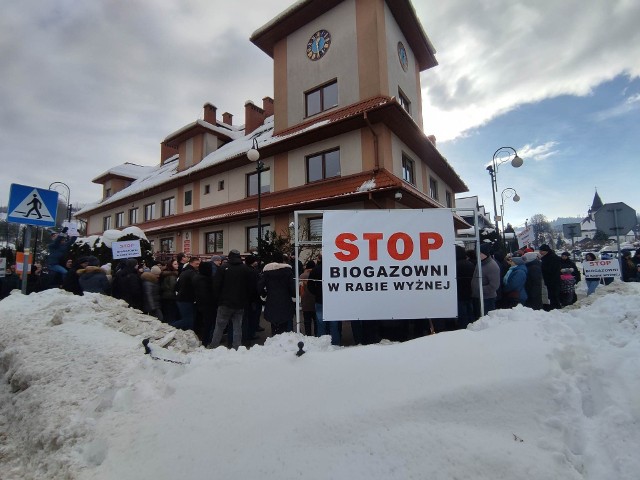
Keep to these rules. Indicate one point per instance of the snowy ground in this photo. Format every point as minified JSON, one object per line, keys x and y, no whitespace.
{"x":519,"y":395}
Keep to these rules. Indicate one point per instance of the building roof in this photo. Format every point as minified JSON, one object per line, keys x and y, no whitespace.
{"x":225,"y":133}
{"x":127,"y":171}
{"x":305,"y":11}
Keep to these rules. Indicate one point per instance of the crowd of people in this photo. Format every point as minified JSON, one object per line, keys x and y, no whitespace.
{"x":227,"y":296}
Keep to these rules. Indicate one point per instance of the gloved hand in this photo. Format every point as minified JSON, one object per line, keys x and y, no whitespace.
{"x":65,"y":229}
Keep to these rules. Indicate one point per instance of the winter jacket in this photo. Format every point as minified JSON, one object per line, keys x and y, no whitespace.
{"x":184,"y":285}
{"x":127,"y":285}
{"x":168,"y":281}
{"x":203,"y":289}
{"x":490,"y":279}
{"x":533,"y":284}
{"x":279,"y":287}
{"x":464,"y":274}
{"x":94,"y":279}
{"x":551,"y":270}
{"x":513,"y":285}
{"x":151,"y":295}
{"x":58,"y":249}
{"x":568,"y":263}
{"x":307,"y":299}
{"x":315,"y":282}
{"x":234,"y":284}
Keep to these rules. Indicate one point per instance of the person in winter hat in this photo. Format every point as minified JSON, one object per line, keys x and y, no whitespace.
{"x":490,"y":281}
{"x":277,"y":287}
{"x":234,"y":285}
{"x":93,"y":279}
{"x":551,"y":274}
{"x":534,"y":283}
{"x":151,"y":292}
{"x":514,"y":283}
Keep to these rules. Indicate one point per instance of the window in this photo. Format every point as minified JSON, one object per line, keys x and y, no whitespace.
{"x":133,"y":216}
{"x":433,"y":188}
{"x":106,"y":223}
{"x":107,"y":192}
{"x":214,"y":242}
{"x":408,"y":170}
{"x":187,"y":198}
{"x":168,"y":206}
{"x":252,"y":237}
{"x":322,"y":98}
{"x":404,"y":101}
{"x":449,"y":199}
{"x":166,"y":245}
{"x":119,"y":219}
{"x":220,"y":185}
{"x":323,"y":165}
{"x":252,"y":183}
{"x":207,"y":189}
{"x":149,"y":211}
{"x":315,"y":228}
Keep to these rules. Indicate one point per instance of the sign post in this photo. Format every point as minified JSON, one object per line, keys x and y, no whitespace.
{"x":614,"y":218}
{"x":572,"y":230}
{"x":31,"y":206}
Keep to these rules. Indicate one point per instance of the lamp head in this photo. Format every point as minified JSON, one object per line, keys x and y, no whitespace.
{"x":253,"y":154}
{"x":516,"y":198}
{"x":517,"y":162}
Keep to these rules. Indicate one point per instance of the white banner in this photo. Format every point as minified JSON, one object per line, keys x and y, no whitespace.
{"x":601,"y":268}
{"x":385,"y":265}
{"x":72,"y":228}
{"x":525,"y":237}
{"x":127,"y":249}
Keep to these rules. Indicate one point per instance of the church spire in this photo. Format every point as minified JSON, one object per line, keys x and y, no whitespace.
{"x":597,"y":203}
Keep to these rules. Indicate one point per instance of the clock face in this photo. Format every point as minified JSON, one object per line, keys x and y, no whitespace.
{"x":318,"y":45}
{"x":402,"y":56}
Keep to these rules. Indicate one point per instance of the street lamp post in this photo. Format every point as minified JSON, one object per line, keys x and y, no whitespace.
{"x":68,"y":197}
{"x":254,"y":155}
{"x":510,"y":193}
{"x":500,"y":156}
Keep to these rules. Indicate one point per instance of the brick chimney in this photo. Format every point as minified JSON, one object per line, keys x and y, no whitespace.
{"x":166,"y":152}
{"x":267,"y":106}
{"x":210,"y":113}
{"x":227,"y":118}
{"x":253,"y":117}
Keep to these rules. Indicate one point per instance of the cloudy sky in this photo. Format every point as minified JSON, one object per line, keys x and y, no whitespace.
{"x":89,"y":85}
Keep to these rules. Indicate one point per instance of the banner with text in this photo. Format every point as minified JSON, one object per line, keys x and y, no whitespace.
{"x":126,"y":249}
{"x":525,"y":237}
{"x":385,"y":265}
{"x":601,"y":268}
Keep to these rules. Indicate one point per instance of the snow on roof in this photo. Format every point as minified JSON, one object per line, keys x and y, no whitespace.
{"x":367,"y":185}
{"x":285,"y":13}
{"x":128,"y":170}
{"x":467,"y":202}
{"x":229,"y":131}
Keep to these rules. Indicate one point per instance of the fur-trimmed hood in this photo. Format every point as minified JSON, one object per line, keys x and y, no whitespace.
{"x":275,"y":266}
{"x":90,"y":269}
{"x":149,"y":277}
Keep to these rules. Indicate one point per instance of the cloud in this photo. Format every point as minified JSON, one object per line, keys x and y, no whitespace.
{"x":538,"y":153}
{"x":499,"y":55}
{"x":630,"y":104}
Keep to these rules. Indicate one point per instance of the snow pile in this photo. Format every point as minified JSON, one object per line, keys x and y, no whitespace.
{"x":520,"y":394}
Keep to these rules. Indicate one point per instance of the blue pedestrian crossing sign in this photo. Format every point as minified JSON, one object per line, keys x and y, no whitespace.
{"x":32,"y":205}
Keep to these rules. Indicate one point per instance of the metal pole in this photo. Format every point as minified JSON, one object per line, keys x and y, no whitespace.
{"x":259,"y":169}
{"x":25,"y":260}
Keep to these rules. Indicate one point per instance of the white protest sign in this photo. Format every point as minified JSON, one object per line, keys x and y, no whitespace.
{"x":3,"y":267}
{"x":72,"y":228}
{"x":127,"y":249}
{"x":525,"y":237}
{"x":601,"y":268}
{"x":385,"y":265}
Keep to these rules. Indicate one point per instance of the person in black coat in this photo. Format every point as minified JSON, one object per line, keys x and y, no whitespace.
{"x":93,"y":279}
{"x":234,"y":285}
{"x":71,"y":281}
{"x":127,"y":285}
{"x":205,"y":303}
{"x":464,"y":275}
{"x":533,"y":285}
{"x":186,"y":297}
{"x":278,"y":285}
{"x":551,"y":274}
